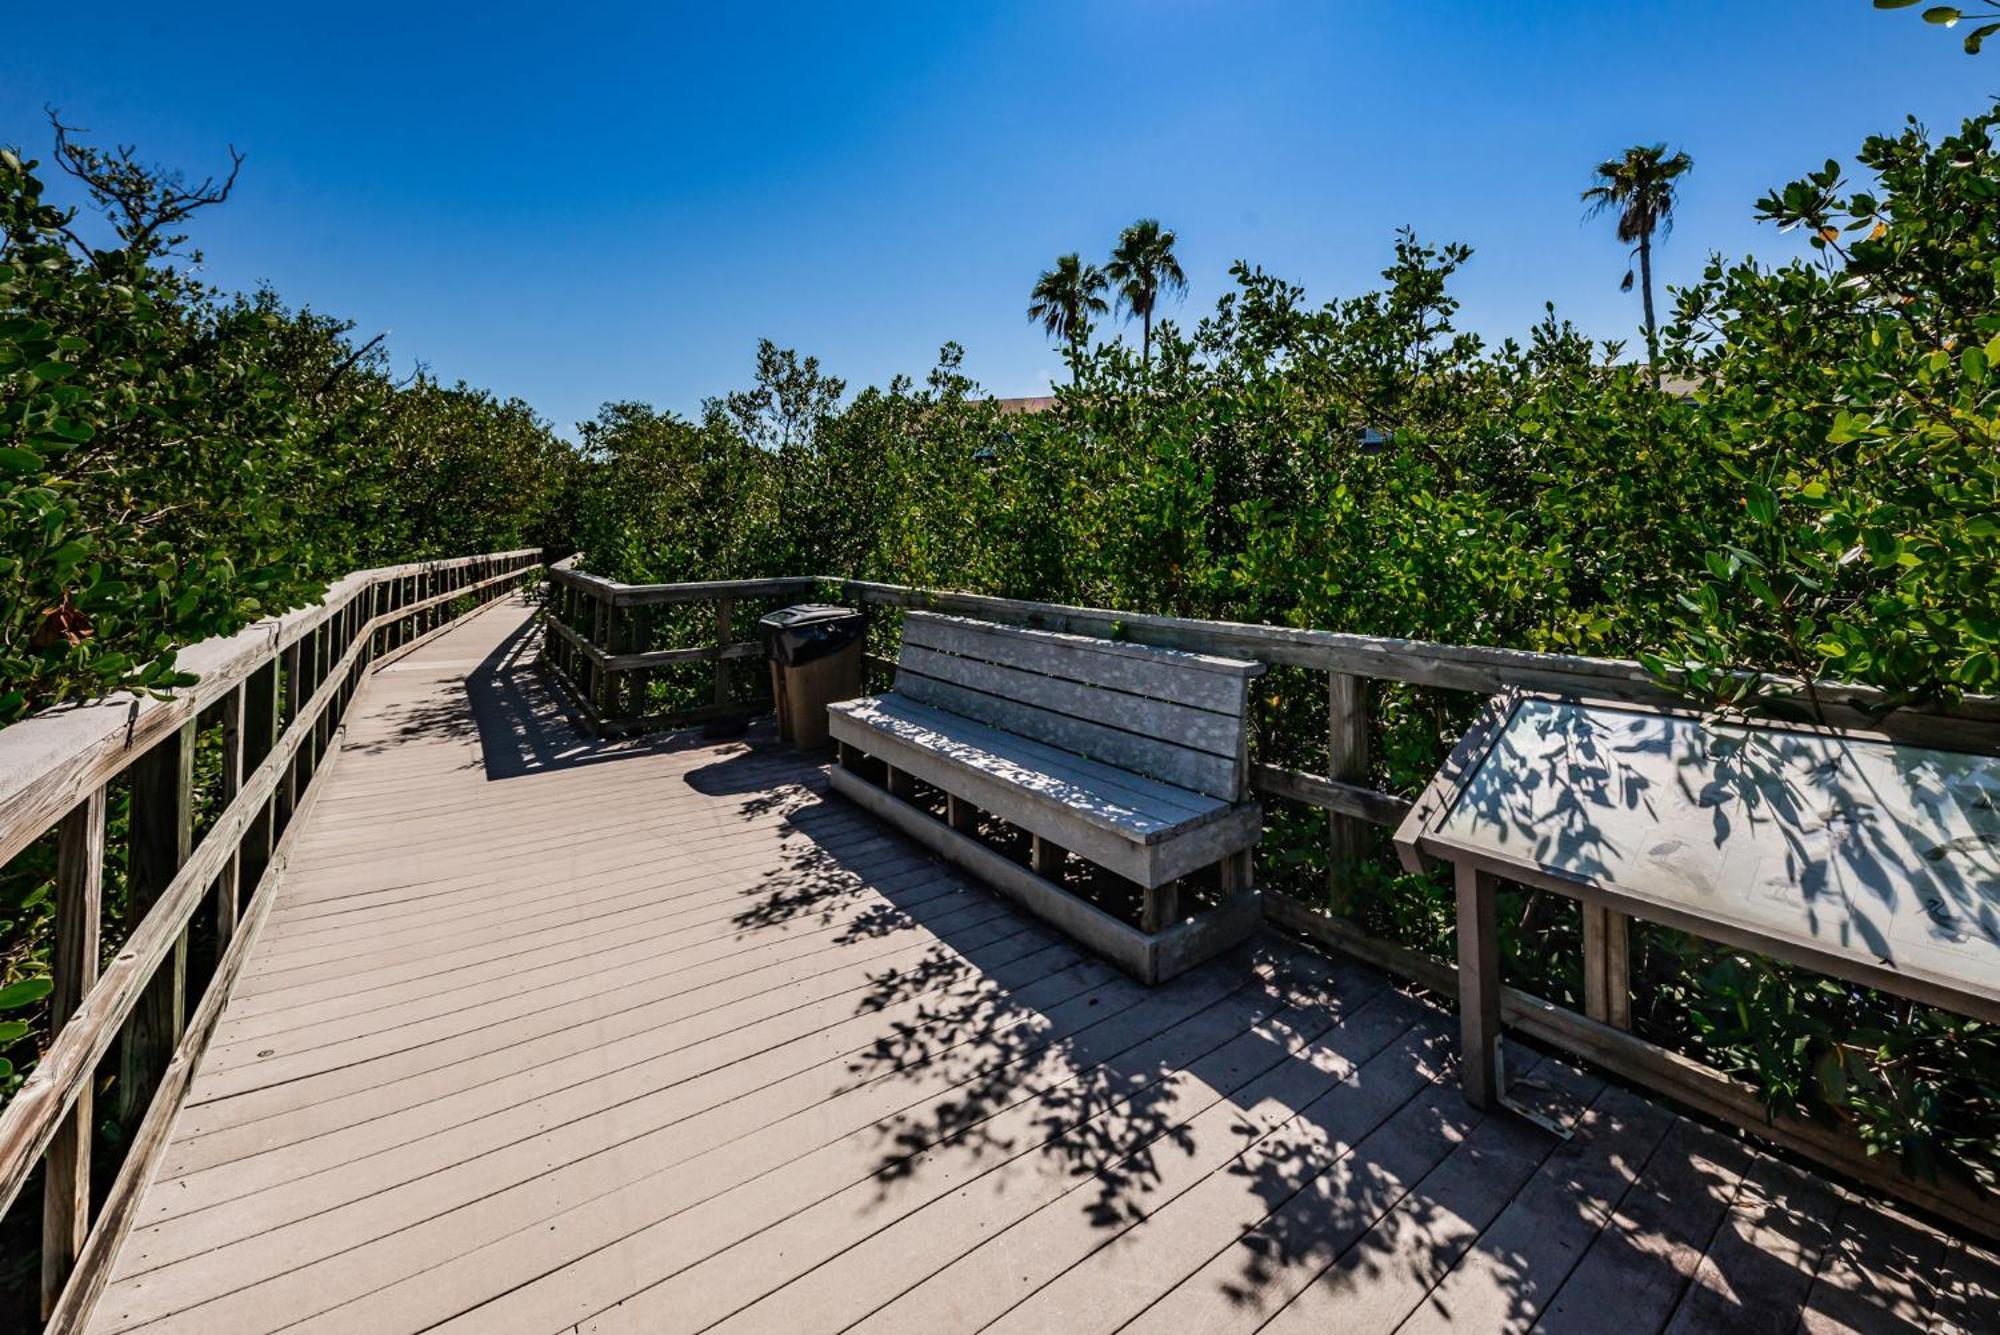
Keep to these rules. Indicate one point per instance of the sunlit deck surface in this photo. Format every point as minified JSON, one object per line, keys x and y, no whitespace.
{"x":548,"y":1034}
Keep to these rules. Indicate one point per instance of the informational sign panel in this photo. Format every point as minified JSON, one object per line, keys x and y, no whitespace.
{"x":1814,"y":846}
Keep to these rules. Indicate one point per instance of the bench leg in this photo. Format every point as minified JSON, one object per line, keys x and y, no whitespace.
{"x":849,"y":757}
{"x":1238,"y":873}
{"x":900,"y":784}
{"x":1162,"y":908}
{"x":960,"y":814}
{"x":1479,"y":986}
{"x":1045,"y":858}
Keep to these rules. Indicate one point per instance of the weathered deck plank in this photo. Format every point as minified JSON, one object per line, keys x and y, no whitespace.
{"x":546,"y":1033}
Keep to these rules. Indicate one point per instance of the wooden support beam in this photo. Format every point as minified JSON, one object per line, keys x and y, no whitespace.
{"x":725,"y":618}
{"x":639,"y":639}
{"x":162,"y":837}
{"x":960,"y":814}
{"x":1046,"y":859}
{"x":1347,"y":838}
{"x":1239,"y":873}
{"x":73,"y":966}
{"x":899,"y":783}
{"x":1479,"y":986}
{"x":1161,"y":908}
{"x":611,"y":683}
{"x":1607,"y":987}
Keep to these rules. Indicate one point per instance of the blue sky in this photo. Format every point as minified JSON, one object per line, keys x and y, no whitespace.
{"x":582,"y":202}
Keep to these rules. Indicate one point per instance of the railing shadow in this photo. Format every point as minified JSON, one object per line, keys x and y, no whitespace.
{"x":521,"y":724}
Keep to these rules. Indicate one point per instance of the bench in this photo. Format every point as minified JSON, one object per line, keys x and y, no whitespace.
{"x":1132,"y":758}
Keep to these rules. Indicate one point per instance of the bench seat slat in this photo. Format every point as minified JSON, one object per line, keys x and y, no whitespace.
{"x":1118,"y":801}
{"x":1090,"y":809}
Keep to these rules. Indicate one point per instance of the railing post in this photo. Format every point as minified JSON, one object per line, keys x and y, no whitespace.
{"x":261,"y":720}
{"x":227,"y":884}
{"x":611,"y":686}
{"x":639,"y":633}
{"x":598,"y":692}
{"x":287,"y":797}
{"x":1346,"y":760}
{"x":162,"y":837}
{"x":66,"y":1167}
{"x":313,"y":662}
{"x":329,"y":655}
{"x":1479,"y":986}
{"x":1607,"y":988}
{"x":725,"y":619}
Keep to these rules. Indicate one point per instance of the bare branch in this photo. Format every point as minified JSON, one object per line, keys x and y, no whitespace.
{"x":141,"y":201}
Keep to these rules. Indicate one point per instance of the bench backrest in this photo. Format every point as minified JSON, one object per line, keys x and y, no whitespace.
{"x":1177,"y":717}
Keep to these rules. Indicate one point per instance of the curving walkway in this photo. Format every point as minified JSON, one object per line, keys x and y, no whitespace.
{"x":546,"y":1034}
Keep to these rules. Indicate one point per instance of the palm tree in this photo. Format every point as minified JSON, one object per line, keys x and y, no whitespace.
{"x":1640,"y":185}
{"x":1141,"y":268}
{"x":1066,"y":297}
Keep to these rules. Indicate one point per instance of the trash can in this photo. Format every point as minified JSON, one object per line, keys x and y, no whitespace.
{"x":815,"y":652}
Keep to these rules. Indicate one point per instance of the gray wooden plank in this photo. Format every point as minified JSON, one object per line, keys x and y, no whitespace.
{"x":1123,"y":789}
{"x":703,"y":1097}
{"x":1879,"y":1274}
{"x":1204,"y":681}
{"x":1761,"y":1262}
{"x":1158,"y":758}
{"x":1312,"y":1206}
{"x":1199,"y":729}
{"x":964,"y":1258}
{"x":1643,"y":1261}
{"x":1094,"y":1275}
{"x":223,"y":1132}
{"x":1506,"y":1278}
{"x":1390,"y":1270}
{"x":1097,"y":1170}
{"x":1968,"y":1292}
{"x":561,"y":1240}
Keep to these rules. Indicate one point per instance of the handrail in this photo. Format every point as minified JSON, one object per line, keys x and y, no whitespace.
{"x":1483,"y":668}
{"x":282,"y":688}
{"x":48,"y":761}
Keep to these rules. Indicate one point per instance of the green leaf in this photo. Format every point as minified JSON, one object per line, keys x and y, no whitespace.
{"x":25,"y":993}
{"x":20,"y":461}
{"x":13,"y":1030}
{"x":1943,"y":15}
{"x":1761,"y":505}
{"x":1977,"y":37}
{"x":1896,"y":4}
{"x":54,"y":371}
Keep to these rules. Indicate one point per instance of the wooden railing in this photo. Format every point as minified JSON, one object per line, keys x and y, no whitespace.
{"x":590,"y":615}
{"x":279,"y":690}
{"x":600,"y":640}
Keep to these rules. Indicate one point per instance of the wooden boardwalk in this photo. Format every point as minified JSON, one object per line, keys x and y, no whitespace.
{"x":547,"y":1034}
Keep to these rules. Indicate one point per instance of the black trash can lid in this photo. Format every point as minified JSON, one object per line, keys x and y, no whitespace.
{"x":797,"y":635}
{"x":806,"y":614}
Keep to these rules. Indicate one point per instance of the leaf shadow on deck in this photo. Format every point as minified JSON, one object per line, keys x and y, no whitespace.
{"x":1084,"y":1092}
{"x":1335,"y":1148}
